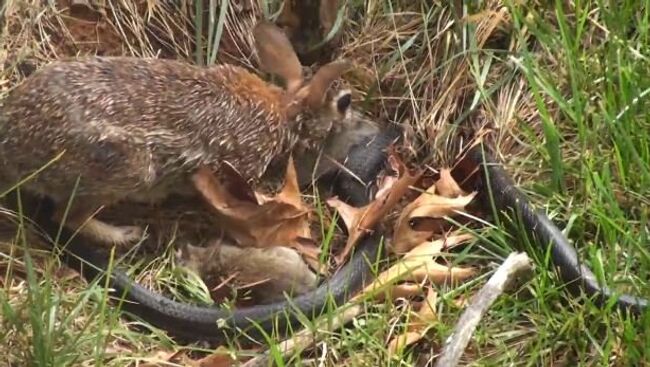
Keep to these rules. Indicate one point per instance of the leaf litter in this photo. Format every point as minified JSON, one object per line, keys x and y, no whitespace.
{"x":360,"y":220}
{"x":422,"y":319}
{"x":417,"y":268}
{"x":254,"y":219}
{"x":421,"y":218}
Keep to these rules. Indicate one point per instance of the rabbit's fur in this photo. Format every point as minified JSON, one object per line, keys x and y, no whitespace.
{"x":133,"y":128}
{"x":267,"y":271}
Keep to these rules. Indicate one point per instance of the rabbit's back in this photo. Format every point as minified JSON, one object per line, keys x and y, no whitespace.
{"x":127,"y":124}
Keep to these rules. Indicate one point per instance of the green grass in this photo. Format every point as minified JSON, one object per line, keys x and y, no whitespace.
{"x":584,"y":157}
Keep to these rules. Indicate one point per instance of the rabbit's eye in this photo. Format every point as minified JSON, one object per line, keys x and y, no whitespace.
{"x":343,"y":102}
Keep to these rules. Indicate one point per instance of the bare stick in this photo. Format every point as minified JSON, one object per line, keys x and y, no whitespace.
{"x":503,"y":278}
{"x":306,"y":337}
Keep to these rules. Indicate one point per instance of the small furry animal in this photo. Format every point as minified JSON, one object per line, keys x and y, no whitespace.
{"x":271,"y":271}
{"x":107,"y":129}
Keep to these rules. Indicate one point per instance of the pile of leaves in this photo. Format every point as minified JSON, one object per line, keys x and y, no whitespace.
{"x":418,"y":233}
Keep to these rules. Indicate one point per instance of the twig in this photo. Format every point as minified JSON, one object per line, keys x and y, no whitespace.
{"x":304,"y":338}
{"x":503,"y":278}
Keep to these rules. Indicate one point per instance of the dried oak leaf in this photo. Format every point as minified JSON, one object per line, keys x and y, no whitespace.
{"x":425,"y":215}
{"x":361,"y":220}
{"x":257,"y":220}
{"x":417,"y":266}
{"x":403,"y":290}
{"x":418,"y":325}
{"x":161,"y":358}
{"x":446,"y":185}
{"x":219,"y":358}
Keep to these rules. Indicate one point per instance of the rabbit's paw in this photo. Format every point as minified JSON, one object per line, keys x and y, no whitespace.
{"x":122,"y":236}
{"x":130,"y":235}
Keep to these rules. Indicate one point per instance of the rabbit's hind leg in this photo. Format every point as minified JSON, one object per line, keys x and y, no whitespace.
{"x":81,"y":217}
{"x":118,"y":164}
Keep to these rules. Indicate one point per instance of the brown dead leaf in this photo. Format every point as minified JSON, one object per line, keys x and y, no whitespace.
{"x":429,"y":206}
{"x":257,"y":220}
{"x":162,"y":358}
{"x":215,"y":360}
{"x":361,"y":220}
{"x":461,"y":301}
{"x":404,"y":290}
{"x":418,"y":266}
{"x":446,"y":185}
{"x":219,"y":358}
{"x":385,"y":184}
{"x":418,"y":325}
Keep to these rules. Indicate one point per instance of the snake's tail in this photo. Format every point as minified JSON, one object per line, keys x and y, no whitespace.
{"x":506,"y":197}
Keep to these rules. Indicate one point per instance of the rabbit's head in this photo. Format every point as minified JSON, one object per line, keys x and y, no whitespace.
{"x":313,"y":108}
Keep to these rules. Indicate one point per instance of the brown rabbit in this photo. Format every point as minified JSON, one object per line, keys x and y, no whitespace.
{"x":131,"y":128}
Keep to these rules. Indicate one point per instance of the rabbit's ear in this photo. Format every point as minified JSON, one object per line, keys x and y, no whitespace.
{"x":277,"y":55}
{"x":327,"y":15}
{"x":323,"y":78}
